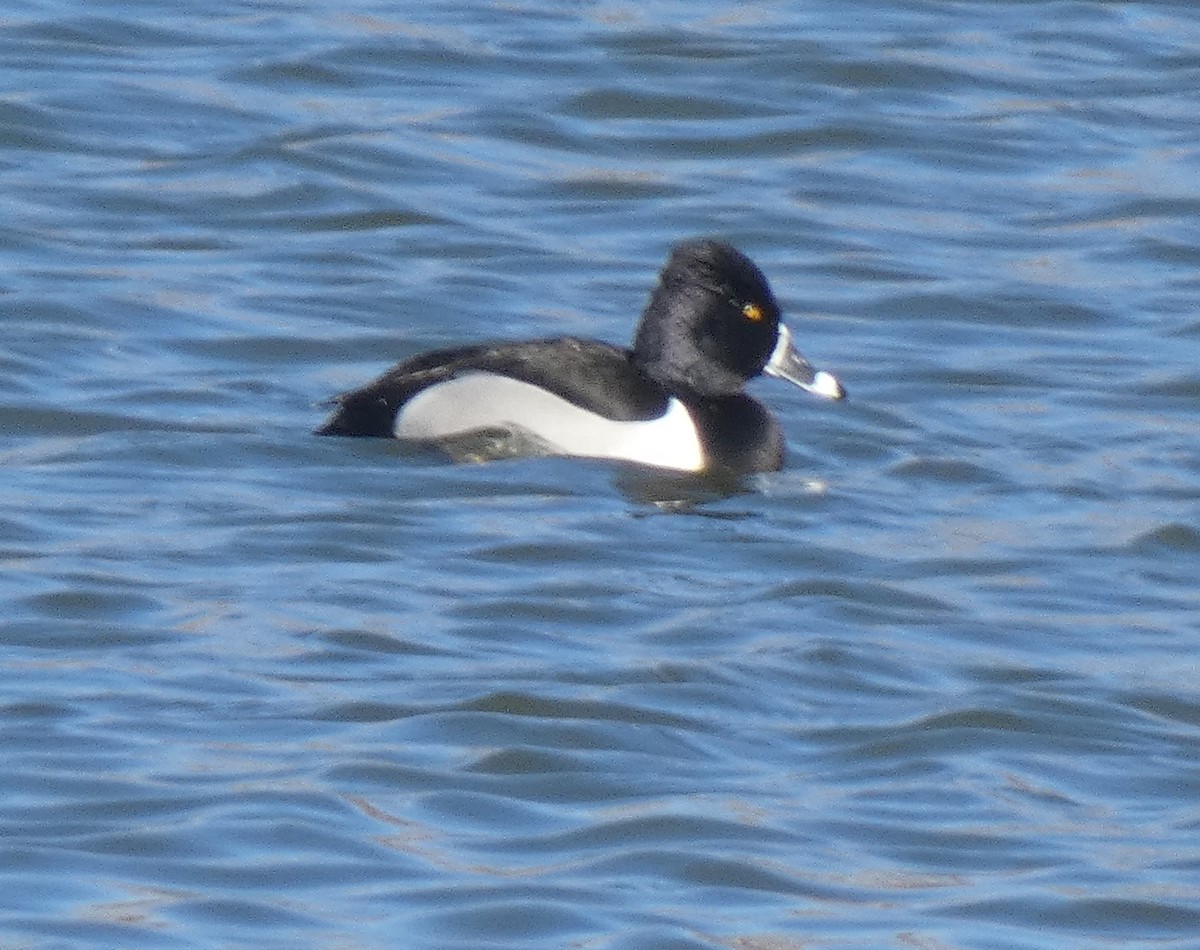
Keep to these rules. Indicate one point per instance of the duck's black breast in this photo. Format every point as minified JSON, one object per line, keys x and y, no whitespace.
{"x":738,"y":433}
{"x":594,"y":376}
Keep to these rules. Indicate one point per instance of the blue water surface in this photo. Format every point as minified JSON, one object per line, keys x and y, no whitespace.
{"x":933,"y":685}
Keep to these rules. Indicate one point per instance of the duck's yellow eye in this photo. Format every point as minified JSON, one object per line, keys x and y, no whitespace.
{"x":752,"y":312}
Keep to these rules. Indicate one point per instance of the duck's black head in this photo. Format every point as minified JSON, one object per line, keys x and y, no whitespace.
{"x":712,"y":323}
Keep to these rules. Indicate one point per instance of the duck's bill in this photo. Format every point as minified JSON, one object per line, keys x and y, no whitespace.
{"x":787,"y":363}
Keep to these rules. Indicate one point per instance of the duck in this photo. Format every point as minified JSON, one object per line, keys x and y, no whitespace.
{"x":675,"y":400}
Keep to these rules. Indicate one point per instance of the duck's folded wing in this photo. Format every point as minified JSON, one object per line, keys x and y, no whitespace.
{"x":595,"y":376}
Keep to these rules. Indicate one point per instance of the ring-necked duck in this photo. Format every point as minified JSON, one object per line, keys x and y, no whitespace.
{"x":674,"y":400}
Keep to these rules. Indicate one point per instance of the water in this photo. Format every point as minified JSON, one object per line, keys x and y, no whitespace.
{"x":933,"y":685}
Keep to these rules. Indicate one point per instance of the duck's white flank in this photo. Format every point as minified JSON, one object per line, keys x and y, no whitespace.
{"x":477,"y":401}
